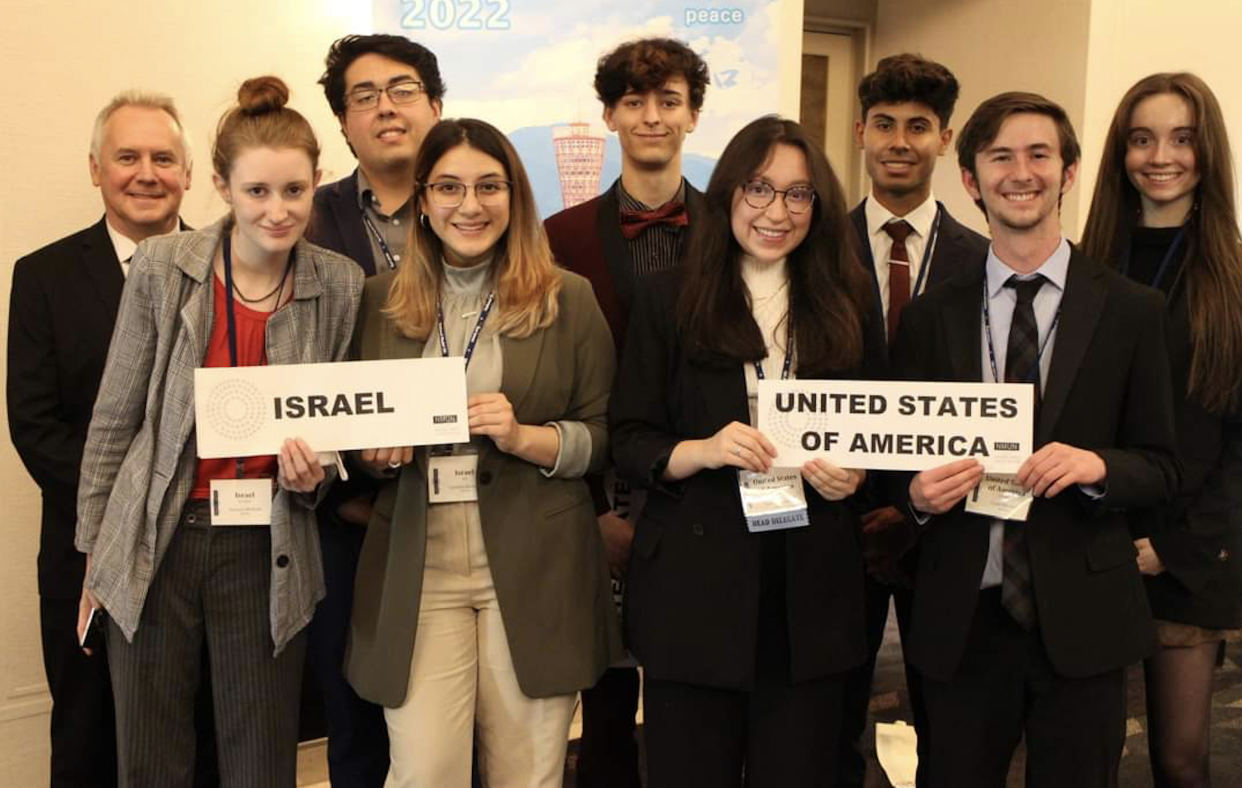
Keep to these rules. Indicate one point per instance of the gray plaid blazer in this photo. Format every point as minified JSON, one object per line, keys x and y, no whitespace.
{"x":140,"y":457}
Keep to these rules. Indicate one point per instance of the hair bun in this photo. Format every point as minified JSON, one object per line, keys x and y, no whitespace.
{"x":262,"y":95}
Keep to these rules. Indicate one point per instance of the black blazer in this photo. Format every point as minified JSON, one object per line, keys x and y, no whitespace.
{"x":957,"y":247}
{"x":696,"y":573}
{"x":587,"y":240}
{"x":1198,"y":536}
{"x":1107,"y":391}
{"x":61,"y":313}
{"x":337,"y":222}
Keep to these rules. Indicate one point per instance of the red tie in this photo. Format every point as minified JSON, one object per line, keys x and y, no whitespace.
{"x":672,"y":213}
{"x":898,"y":274}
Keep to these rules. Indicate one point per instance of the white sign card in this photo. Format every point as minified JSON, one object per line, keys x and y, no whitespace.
{"x":897,"y":425}
{"x":249,"y":411}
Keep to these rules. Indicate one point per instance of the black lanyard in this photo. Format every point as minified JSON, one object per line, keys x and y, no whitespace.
{"x":379,"y":239}
{"x":474,"y":335}
{"x":228,"y":297}
{"x":928,"y":250}
{"x":785,"y":368}
{"x":1164,"y":264}
{"x":987,"y":329}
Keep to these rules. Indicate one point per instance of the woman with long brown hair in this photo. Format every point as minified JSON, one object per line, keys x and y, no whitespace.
{"x":1164,"y":213}
{"x":744,"y":633}
{"x":479,"y":615}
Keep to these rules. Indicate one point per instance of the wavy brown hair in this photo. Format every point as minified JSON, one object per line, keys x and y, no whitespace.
{"x":1213,"y":273}
{"x":828,"y":288}
{"x":526,"y":280}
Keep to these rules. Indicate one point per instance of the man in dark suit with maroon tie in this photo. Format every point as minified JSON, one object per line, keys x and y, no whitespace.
{"x":652,"y":90}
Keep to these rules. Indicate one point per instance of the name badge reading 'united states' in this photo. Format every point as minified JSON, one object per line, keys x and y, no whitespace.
{"x":248,"y":411}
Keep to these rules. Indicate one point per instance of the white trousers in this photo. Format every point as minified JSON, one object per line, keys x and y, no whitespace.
{"x":462,"y":680}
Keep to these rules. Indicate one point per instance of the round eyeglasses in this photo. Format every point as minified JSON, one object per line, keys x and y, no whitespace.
{"x":759,"y":195}
{"x":450,"y":194}
{"x":365,"y":99}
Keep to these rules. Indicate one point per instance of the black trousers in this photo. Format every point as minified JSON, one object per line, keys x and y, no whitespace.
{"x":1005,"y":689}
{"x":607,"y":751}
{"x":774,"y":736}
{"x":852,"y":764}
{"x":357,"y":733}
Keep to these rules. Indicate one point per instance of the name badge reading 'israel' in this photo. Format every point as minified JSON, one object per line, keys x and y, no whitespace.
{"x":241,"y":501}
{"x":999,"y":496}
{"x":452,"y":478}
{"x":773,"y":501}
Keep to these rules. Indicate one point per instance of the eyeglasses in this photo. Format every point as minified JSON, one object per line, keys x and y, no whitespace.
{"x":760,"y":195}
{"x":450,"y":194}
{"x":364,"y":99}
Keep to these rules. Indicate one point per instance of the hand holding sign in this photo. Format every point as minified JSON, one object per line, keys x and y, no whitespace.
{"x":831,"y":482}
{"x":1056,"y":466}
{"x":937,"y":490}
{"x":387,"y":458}
{"x":736,"y":444}
{"x":298,"y":466}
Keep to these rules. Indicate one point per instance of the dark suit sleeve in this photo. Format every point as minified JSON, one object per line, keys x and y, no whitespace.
{"x":643,"y":432}
{"x":1141,"y":469}
{"x":323,"y":230}
{"x":49,"y":445}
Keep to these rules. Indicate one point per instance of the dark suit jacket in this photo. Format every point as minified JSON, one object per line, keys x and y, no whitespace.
{"x":61,"y":314}
{"x":957,"y":247}
{"x":337,"y":222}
{"x":587,"y":240}
{"x":1107,"y":391}
{"x":1197,"y":536}
{"x":696,"y":573}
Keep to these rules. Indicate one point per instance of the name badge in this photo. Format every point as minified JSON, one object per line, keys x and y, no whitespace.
{"x":451,"y":479}
{"x":773,"y":501}
{"x":999,"y":496}
{"x":241,"y":501}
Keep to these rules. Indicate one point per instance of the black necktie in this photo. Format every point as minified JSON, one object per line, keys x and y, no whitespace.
{"x":1021,"y":366}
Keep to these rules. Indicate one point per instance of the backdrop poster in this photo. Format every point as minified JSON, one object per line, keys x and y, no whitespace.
{"x":527,"y":67}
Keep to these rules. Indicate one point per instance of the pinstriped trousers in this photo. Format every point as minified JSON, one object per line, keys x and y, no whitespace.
{"x":213,"y":584}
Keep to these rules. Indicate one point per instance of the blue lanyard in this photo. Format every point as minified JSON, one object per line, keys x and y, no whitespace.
{"x":1164,"y":264}
{"x":987,"y":329}
{"x":379,"y":239}
{"x":785,"y":368}
{"x":474,"y":335}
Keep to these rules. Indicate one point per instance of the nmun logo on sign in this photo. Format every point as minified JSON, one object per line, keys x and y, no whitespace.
{"x":237,"y":409}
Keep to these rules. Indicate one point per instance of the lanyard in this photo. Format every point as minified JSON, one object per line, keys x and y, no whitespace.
{"x":1164,"y":264}
{"x":987,"y":329}
{"x":474,"y":335}
{"x":928,"y":250}
{"x":228,"y":297}
{"x":379,"y":239}
{"x":788,"y":358}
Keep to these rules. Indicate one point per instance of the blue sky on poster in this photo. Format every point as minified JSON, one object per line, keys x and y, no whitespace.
{"x":538,"y":72}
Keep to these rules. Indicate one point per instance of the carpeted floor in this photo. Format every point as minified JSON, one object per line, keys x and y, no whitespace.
{"x":889,"y":702}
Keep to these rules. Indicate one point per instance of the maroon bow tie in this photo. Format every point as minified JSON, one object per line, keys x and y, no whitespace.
{"x":672,"y":213}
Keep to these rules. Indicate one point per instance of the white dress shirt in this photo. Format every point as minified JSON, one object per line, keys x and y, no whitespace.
{"x":920,"y":219}
{"x":123,"y":245}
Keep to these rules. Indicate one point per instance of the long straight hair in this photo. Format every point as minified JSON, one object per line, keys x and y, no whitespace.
{"x":828,"y":289}
{"x":526,"y":280}
{"x":1213,"y":272}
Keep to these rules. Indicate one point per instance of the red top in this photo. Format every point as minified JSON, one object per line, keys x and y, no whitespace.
{"x":251,"y":352}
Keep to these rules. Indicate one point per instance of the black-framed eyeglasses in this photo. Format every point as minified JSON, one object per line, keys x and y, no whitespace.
{"x":759,"y":195}
{"x":364,"y":99}
{"x":450,"y":194}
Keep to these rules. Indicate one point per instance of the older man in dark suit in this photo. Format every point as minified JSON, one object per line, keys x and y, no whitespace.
{"x":63,"y":307}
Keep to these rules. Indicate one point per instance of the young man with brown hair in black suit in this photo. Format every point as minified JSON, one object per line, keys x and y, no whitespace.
{"x":1024,"y":628}
{"x":906,"y":103}
{"x":652,"y":90}
{"x":63,"y":306}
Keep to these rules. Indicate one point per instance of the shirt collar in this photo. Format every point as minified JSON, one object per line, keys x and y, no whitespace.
{"x":631,"y":203}
{"x":1054,"y":269}
{"x":920,"y":218}
{"x":123,"y":245}
{"x":366,"y":198}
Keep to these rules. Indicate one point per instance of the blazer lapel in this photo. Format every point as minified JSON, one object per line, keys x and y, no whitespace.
{"x":613,"y":245}
{"x":1081,"y":304}
{"x":724,"y":394}
{"x":963,"y":329}
{"x":103,"y":269}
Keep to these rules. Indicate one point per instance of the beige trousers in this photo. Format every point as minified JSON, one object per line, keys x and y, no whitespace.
{"x":462,"y":681}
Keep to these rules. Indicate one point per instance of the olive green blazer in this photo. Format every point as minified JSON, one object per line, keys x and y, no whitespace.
{"x":543,"y":545}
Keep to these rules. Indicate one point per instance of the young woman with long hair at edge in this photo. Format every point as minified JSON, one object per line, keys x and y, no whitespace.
{"x":482,"y":608}
{"x":745,"y":634}
{"x":170,"y":570}
{"x":1164,"y":213}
